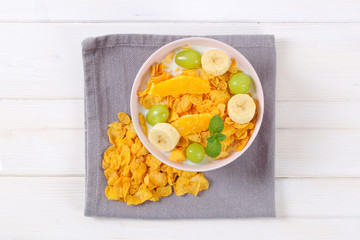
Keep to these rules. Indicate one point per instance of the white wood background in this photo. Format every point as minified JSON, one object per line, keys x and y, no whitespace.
{"x":317,"y":114}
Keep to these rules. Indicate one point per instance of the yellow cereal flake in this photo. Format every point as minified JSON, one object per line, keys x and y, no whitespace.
{"x":111,"y":194}
{"x":114,"y":134}
{"x":222,"y":109}
{"x":158,"y":178}
{"x":241,"y":133}
{"x":219,"y":96}
{"x":160,"y":67}
{"x":242,"y":144}
{"x":222,"y":86}
{"x":227,"y":142}
{"x":196,"y":99}
{"x":143,"y":123}
{"x":172,"y":116}
{"x":204,"y":136}
{"x":233,"y":67}
{"x":223,"y":154}
{"x":185,"y":47}
{"x":228,"y":121}
{"x":158,"y":79}
{"x":190,"y":72}
{"x":183,"y":142}
{"x":214,"y":111}
{"x":182,"y":104}
{"x":194,"y":137}
{"x":225,"y":77}
{"x":164,"y":191}
{"x":150,"y":100}
{"x":193,"y":188}
{"x":124,"y":118}
{"x":178,"y":155}
{"x":199,"y":177}
{"x":168,"y":58}
{"x":205,"y":75}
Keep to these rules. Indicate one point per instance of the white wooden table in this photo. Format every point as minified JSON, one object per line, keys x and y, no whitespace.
{"x":317,"y":121}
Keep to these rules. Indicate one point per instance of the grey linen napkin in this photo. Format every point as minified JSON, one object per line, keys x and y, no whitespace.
{"x":244,"y":188}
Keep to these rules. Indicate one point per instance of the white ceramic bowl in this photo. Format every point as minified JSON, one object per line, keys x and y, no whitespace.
{"x":242,"y":62}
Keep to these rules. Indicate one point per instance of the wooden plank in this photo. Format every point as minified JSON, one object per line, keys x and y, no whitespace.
{"x":187,"y":10}
{"x":42,"y":152}
{"x":317,"y":153}
{"x":53,"y":208}
{"x":314,"y":197}
{"x":318,"y":115}
{"x":56,"y":114}
{"x":316,"y":62}
{"x":42,"y":114}
{"x":305,"y":153}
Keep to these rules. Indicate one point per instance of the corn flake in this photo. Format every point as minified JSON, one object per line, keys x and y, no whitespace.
{"x":158,"y":178}
{"x":172,"y":116}
{"x":223,"y":154}
{"x":150,"y":100}
{"x":242,"y":144}
{"x":143,"y":123}
{"x":124,"y":118}
{"x":164,"y":191}
{"x":168,"y":58}
{"x":185,"y":47}
{"x":178,"y":155}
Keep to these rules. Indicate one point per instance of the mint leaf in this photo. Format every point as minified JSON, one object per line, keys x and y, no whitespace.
{"x":220,"y":137}
{"x":211,"y":139}
{"x":213,"y":149}
{"x":216,"y":124}
{"x":213,"y":146}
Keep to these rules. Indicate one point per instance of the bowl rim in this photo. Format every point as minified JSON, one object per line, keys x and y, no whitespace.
{"x":135,"y":113}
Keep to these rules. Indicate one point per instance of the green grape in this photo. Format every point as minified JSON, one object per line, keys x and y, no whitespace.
{"x":157,"y":114}
{"x":239,"y":83}
{"x":195,"y":152}
{"x":188,"y":59}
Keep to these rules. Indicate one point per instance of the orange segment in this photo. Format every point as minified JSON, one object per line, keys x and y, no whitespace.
{"x":192,"y":123}
{"x":181,"y":85}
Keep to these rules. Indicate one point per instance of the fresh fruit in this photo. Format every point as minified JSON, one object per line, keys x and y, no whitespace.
{"x":195,"y":152}
{"x":157,"y":114}
{"x":181,"y":85}
{"x":239,"y":83}
{"x":215,"y":62}
{"x":192,"y":123}
{"x":241,"y":108}
{"x":164,"y":137}
{"x":188,"y":59}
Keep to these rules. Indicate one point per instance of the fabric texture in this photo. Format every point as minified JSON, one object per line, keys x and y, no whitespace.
{"x":242,"y":189}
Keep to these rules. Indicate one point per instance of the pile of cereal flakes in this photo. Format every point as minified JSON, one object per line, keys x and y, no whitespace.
{"x":135,"y":176}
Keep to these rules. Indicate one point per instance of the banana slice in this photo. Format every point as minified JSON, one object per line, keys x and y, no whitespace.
{"x":215,"y":62}
{"x":164,"y":137}
{"x":241,"y":108}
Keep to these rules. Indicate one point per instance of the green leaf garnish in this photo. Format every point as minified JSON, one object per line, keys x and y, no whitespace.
{"x":213,"y":146}
{"x":216,"y":124}
{"x":211,"y":139}
{"x":219,"y":136}
{"x":213,"y":149}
